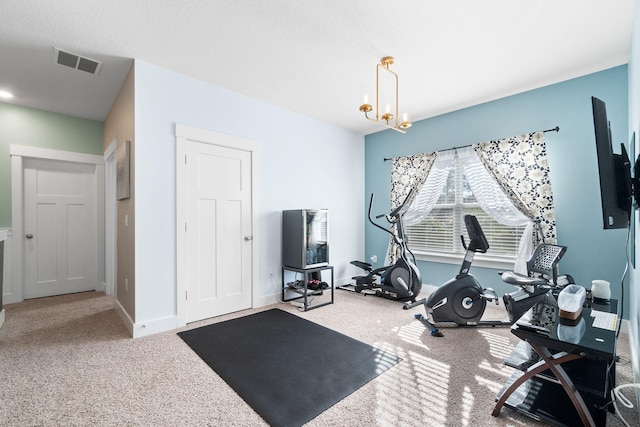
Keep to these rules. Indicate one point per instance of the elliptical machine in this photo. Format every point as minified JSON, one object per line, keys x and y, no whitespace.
{"x":400,"y":281}
{"x":461,"y":301}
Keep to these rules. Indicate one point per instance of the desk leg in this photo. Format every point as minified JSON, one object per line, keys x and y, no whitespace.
{"x":567,"y":384}
{"x":548,"y":361}
{"x":332,"y":286}
{"x":306,"y":290}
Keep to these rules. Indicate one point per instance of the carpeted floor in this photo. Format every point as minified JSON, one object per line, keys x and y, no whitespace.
{"x":68,"y":361}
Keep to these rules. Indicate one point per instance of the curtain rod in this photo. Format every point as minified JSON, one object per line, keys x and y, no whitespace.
{"x":555,"y":129}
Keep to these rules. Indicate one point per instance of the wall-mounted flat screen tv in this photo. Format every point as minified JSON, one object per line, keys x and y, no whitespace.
{"x":616,"y":188}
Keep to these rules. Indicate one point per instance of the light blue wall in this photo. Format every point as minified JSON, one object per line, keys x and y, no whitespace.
{"x":304,"y":163}
{"x":592,"y":252}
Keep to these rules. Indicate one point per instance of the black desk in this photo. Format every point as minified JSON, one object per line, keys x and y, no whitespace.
{"x":568,"y":366}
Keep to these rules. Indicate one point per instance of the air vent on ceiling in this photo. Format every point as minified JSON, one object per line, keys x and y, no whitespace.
{"x":77,"y":62}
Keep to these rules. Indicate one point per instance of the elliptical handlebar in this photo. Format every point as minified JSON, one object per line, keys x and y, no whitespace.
{"x":395,"y":215}
{"x":379,"y":216}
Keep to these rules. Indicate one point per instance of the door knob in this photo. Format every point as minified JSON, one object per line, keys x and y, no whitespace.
{"x":29,"y":236}
{"x":248,"y":238}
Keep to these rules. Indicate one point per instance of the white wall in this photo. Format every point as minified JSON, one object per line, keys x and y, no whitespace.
{"x":304,"y":163}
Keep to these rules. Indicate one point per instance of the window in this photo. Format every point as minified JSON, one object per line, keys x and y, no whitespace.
{"x":438,"y":234}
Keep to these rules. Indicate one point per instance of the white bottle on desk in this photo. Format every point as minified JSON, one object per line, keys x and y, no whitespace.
{"x":601,"y":289}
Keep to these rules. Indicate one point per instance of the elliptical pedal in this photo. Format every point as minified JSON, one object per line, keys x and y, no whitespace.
{"x":432,"y":329}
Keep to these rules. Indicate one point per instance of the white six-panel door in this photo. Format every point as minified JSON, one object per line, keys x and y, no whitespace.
{"x":59,"y":228}
{"x":218,"y":230}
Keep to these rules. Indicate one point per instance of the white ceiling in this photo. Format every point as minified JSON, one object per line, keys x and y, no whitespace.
{"x":315,"y":57}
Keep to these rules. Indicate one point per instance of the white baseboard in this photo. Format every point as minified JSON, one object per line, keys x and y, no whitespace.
{"x":264,"y":300}
{"x":344,"y":281}
{"x":143,"y":329}
{"x":124,"y":316}
{"x":624,"y":326}
{"x":1,"y":317}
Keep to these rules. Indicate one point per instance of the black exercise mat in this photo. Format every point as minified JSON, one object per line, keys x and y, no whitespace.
{"x":286,"y":368}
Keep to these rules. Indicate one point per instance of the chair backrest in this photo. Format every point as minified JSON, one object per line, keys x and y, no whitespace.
{"x":544,"y":261}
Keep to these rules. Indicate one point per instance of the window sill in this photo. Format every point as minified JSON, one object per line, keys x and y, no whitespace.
{"x":478,"y":261}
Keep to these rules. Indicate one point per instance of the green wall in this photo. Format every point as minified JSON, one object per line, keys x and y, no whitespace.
{"x":36,"y":128}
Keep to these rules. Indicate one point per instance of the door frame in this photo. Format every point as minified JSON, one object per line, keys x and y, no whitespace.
{"x":110,"y":221}
{"x":18,"y":155}
{"x":185,"y":134}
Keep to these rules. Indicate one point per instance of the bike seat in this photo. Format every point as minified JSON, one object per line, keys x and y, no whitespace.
{"x":522,"y":280}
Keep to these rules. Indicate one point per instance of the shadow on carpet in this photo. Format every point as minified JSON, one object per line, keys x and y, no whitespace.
{"x":288,"y":369}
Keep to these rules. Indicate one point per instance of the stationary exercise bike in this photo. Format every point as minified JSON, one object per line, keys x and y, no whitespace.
{"x":461,"y":301}
{"x":400,"y":281}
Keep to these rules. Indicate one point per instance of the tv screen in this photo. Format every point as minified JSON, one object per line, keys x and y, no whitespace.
{"x":614,"y":170}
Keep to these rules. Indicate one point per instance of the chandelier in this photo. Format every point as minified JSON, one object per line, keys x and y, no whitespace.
{"x":387,"y":118}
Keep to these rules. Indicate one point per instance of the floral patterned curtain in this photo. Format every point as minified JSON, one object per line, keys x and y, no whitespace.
{"x":407,"y":173}
{"x":519,"y":165}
